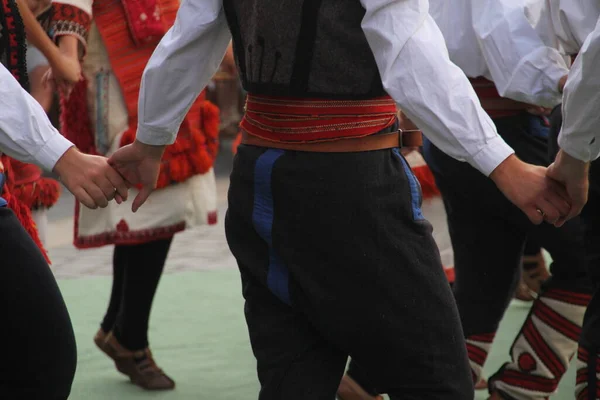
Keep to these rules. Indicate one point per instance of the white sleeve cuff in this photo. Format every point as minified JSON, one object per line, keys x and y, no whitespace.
{"x":579,"y":147}
{"x":490,"y":156}
{"x":154,"y":137}
{"x":52,"y":151}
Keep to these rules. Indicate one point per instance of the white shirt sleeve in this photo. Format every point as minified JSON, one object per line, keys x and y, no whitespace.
{"x":185,"y":60}
{"x":433,"y":92}
{"x":522,"y":67}
{"x":25,"y":130}
{"x":581,"y":103}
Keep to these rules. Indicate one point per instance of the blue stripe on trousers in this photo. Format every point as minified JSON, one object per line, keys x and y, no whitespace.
{"x":262,"y":218}
{"x":415,"y":188}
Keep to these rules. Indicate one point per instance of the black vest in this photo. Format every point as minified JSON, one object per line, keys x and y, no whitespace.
{"x":303,"y":48}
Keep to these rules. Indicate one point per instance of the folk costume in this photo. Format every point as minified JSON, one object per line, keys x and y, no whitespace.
{"x":325,"y":215}
{"x":512,"y":64}
{"x":574,"y":25}
{"x":117,"y":37}
{"x":34,"y":311}
{"x":101,"y":116}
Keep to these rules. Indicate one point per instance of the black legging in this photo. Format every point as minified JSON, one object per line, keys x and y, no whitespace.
{"x":39,"y":354}
{"x":136,"y":273}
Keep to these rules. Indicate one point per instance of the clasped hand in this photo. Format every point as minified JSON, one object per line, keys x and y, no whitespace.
{"x":91,"y":179}
{"x":554,"y":195}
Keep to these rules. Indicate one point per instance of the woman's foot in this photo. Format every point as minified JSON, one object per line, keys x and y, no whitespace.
{"x":350,"y":390}
{"x":139,"y":366}
{"x":100,"y":340}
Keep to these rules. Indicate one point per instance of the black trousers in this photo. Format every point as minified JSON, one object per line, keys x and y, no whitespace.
{"x":39,"y":354}
{"x":587,"y":385}
{"x":136,"y":273}
{"x":336,"y":260}
{"x":488,"y":235}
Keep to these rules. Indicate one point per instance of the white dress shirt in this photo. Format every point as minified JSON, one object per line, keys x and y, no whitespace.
{"x":573,"y":21}
{"x":509,"y":42}
{"x":580,"y":135}
{"x":409,"y":50}
{"x":25,"y":130}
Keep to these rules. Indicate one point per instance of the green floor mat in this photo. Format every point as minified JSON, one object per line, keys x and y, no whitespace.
{"x":199,"y":337}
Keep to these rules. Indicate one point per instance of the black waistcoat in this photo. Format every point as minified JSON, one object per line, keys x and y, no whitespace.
{"x":303,"y":48}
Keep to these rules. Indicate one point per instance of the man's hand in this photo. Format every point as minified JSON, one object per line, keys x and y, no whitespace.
{"x":573,"y":174}
{"x":139,"y":163}
{"x":562,"y":82}
{"x":528,"y":187}
{"x":91,"y":180}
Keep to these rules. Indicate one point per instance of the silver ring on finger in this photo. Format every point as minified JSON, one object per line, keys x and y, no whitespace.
{"x":543,"y":214}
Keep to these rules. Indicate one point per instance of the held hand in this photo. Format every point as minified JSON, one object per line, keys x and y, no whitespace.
{"x":528,"y":187}
{"x":562,"y":82}
{"x":139,"y":163}
{"x":91,"y":180}
{"x":64,"y":74}
{"x":573,"y":174}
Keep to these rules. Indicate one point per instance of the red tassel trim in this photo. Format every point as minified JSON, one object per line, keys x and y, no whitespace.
{"x":21,"y":211}
{"x":43,"y":193}
{"x":192,"y":153}
{"x":75,"y":119}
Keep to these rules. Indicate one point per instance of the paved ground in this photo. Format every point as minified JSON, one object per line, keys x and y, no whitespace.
{"x":203,"y":248}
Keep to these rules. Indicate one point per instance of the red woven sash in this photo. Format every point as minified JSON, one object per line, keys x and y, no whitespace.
{"x":312,"y":120}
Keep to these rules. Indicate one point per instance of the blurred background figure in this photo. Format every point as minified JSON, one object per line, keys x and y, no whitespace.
{"x":99,"y":114}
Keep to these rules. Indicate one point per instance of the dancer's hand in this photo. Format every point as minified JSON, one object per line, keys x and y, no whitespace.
{"x":573,"y":174}
{"x":66,"y":66}
{"x":562,"y":82}
{"x":528,"y":187}
{"x":91,"y":180}
{"x":139,"y":164}
{"x":64,"y":74}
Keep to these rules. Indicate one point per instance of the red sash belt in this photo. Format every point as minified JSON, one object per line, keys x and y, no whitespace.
{"x":313,"y":120}
{"x":491,"y":101}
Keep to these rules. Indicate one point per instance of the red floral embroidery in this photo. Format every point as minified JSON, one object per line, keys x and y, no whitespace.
{"x":70,"y":20}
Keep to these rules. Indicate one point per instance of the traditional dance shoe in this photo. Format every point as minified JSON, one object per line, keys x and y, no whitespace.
{"x":535,"y":272}
{"x":482,"y":384}
{"x":349,"y":389}
{"x":100,"y":340}
{"x":139,"y":366}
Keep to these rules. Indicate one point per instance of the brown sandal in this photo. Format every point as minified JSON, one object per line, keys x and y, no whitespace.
{"x":139,"y":366}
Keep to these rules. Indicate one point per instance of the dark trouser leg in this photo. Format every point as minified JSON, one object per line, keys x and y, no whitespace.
{"x":143,"y":265}
{"x":484,"y":284}
{"x":39,"y":354}
{"x":588,"y":365}
{"x":361,"y":377}
{"x":116,"y":294}
{"x":532,"y":248}
{"x":336,"y":260}
{"x":466,"y":194}
{"x":588,"y":360}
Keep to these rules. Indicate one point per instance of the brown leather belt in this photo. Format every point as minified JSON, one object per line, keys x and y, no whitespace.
{"x":412,"y":138}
